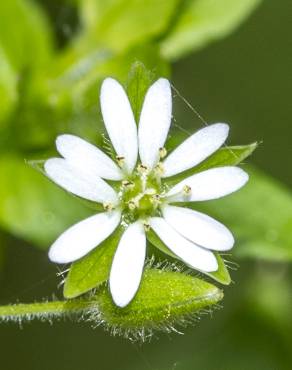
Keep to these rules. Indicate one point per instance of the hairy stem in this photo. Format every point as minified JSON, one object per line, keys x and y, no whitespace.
{"x":45,"y":310}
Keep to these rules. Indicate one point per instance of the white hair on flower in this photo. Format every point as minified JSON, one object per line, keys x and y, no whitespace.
{"x":143,"y":202}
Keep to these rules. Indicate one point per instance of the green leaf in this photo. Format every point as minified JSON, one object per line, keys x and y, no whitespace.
{"x":226,"y":156}
{"x":182,"y":297}
{"x":202,"y":21}
{"x":8,"y":87}
{"x":93,"y":269}
{"x":119,"y":24}
{"x":25,"y":34}
{"x":221,"y":275}
{"x":32,"y":207}
{"x":260,"y":216}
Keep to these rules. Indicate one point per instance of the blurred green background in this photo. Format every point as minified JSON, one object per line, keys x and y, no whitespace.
{"x":50,"y":71}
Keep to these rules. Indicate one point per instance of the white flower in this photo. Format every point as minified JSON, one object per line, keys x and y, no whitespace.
{"x":143,"y":201}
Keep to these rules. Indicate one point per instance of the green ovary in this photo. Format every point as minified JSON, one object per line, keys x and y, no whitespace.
{"x":139,"y":196}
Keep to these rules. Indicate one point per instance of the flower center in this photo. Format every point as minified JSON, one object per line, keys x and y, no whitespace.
{"x":140,"y":194}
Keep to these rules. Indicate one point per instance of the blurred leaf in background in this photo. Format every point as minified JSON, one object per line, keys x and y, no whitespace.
{"x":31,"y":207}
{"x":119,"y":25}
{"x":8,"y":88}
{"x":202,"y":21}
{"x":27,"y":42}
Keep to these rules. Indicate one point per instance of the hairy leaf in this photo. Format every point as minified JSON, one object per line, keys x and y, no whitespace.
{"x":165,"y":299}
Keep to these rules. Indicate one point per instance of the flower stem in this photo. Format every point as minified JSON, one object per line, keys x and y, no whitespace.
{"x":45,"y":310}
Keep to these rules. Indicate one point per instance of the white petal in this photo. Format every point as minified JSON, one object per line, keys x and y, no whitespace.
{"x":210,"y":184}
{"x":80,"y":183}
{"x":154,"y":122}
{"x":81,"y":238}
{"x":199,"y":228}
{"x":127,"y":266}
{"x":195,"y":256}
{"x":119,"y":121}
{"x":195,"y":149}
{"x":87,"y":157}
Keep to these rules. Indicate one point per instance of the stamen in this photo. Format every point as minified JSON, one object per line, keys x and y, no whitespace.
{"x":162,"y":153}
{"x":108,"y":207}
{"x":156,"y":199}
{"x":146,"y":226}
{"x":187,"y":190}
{"x":159,"y":170}
{"x":142,"y":169}
{"x":120,"y":160}
{"x":128,"y":184}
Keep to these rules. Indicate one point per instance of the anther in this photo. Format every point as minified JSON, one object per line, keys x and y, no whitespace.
{"x":159,"y":169}
{"x":128,"y":184}
{"x":162,"y":153}
{"x":142,"y":168}
{"x":120,"y":160}
{"x":108,"y":206}
{"x":156,"y":199}
{"x":187,"y":190}
{"x":146,"y":226}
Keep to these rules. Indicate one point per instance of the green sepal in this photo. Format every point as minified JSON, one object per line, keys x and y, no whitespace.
{"x":226,"y":156}
{"x":139,"y":81}
{"x":158,"y":243}
{"x":221,"y":275}
{"x":93,"y":269}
